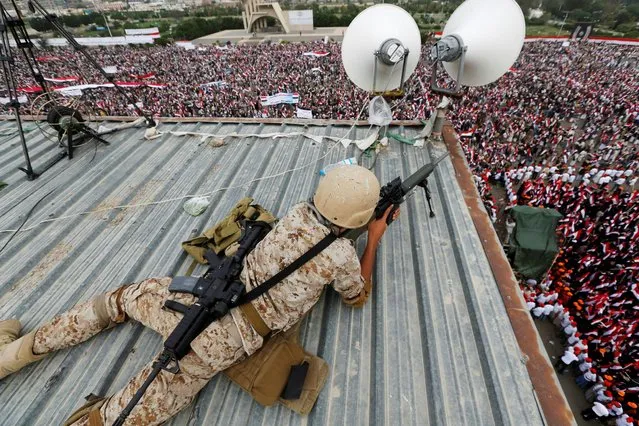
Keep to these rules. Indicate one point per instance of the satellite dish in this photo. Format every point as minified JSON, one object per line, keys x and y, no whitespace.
{"x":381,"y":48}
{"x":481,"y":41}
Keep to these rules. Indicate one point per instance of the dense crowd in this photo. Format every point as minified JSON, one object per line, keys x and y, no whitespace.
{"x":591,"y":291}
{"x":560,"y":130}
{"x":240,"y":76}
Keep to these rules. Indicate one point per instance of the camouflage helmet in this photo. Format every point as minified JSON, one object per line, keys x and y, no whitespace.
{"x":347,"y":196}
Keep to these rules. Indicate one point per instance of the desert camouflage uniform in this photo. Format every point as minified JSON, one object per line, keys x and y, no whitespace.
{"x":226,"y":341}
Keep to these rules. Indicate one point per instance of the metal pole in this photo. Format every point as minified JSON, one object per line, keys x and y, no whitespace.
{"x":52,"y":19}
{"x":12,"y":89}
{"x":29,"y":170}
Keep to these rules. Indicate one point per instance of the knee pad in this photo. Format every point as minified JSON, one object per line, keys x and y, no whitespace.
{"x":101,"y":311}
{"x":100,"y":307}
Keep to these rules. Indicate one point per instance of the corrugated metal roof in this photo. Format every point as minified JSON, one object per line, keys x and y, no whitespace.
{"x":433,"y":346}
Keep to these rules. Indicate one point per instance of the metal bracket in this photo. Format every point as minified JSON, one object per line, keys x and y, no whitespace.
{"x":397,"y":92}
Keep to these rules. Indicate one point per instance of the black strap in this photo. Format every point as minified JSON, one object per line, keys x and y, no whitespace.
{"x":271,"y":282}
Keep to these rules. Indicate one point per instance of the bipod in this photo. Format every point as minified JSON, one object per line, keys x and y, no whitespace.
{"x":424,"y":184}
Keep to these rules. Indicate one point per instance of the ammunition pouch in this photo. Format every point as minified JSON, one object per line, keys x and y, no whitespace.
{"x":267,"y":373}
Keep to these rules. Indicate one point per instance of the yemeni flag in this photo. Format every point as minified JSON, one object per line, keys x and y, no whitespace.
{"x":143,"y":76}
{"x":469,"y":133}
{"x":316,"y":53}
{"x":62,"y":79}
{"x":29,"y":89}
{"x":128,"y":84}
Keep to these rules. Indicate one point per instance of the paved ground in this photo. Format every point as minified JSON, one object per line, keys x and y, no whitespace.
{"x":574,"y":394}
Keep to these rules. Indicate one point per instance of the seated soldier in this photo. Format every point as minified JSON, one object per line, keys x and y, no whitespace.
{"x":345,"y":199}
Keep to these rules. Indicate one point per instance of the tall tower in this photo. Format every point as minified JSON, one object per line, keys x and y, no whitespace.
{"x":256,"y":11}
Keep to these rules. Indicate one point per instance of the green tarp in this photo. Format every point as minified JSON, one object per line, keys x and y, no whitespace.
{"x":533,"y":244}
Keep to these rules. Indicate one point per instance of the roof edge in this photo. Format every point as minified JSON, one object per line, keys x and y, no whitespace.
{"x":294,"y":121}
{"x":550,"y":395}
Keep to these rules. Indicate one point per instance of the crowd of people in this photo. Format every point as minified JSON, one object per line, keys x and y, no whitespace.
{"x":214,"y":81}
{"x":591,"y":291}
{"x":559,"y":130}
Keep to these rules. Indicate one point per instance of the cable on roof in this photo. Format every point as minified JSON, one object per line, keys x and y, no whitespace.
{"x":25,"y":219}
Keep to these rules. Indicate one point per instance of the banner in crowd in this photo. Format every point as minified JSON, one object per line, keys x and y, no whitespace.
{"x":280,"y":98}
{"x":143,"y":76}
{"x":217,"y":84}
{"x":71,"y":92}
{"x":149,"y":32}
{"x":61,"y":79}
{"x":77,"y":90}
{"x":21,"y":99}
{"x":303,"y":113}
{"x":185,"y":44}
{"x":111,"y":69}
{"x":29,"y":89}
{"x":316,"y":54}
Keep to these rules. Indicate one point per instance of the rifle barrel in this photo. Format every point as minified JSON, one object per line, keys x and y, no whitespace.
{"x":420,"y":175}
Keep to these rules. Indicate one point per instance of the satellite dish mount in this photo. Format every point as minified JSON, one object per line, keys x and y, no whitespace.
{"x":391,"y":52}
{"x":448,"y":49}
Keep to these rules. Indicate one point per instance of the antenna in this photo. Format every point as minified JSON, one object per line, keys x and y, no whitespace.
{"x":381,"y":49}
{"x":481,"y":41}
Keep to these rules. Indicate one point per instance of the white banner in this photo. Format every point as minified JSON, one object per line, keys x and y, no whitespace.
{"x":22,"y":99}
{"x":280,"y":98}
{"x":185,"y":44}
{"x":303,"y":113}
{"x":61,"y":79}
{"x":217,"y":84}
{"x":300,"y":17}
{"x":150,"y":32}
{"x":111,"y":69}
{"x":72,"y":92}
{"x":317,"y":53}
{"x":77,"y":90}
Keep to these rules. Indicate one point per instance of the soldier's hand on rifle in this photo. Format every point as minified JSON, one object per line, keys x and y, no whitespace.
{"x":377,"y":227}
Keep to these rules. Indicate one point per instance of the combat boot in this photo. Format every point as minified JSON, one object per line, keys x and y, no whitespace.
{"x":9,"y":331}
{"x":15,"y":353}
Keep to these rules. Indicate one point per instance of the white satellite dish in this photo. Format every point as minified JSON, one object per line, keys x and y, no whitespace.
{"x":381,"y":48}
{"x":481,"y":41}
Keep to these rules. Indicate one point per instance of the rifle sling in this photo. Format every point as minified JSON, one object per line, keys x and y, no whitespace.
{"x":275,"y":279}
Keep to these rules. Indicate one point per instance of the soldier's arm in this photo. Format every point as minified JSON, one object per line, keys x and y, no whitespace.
{"x":376,"y":230}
